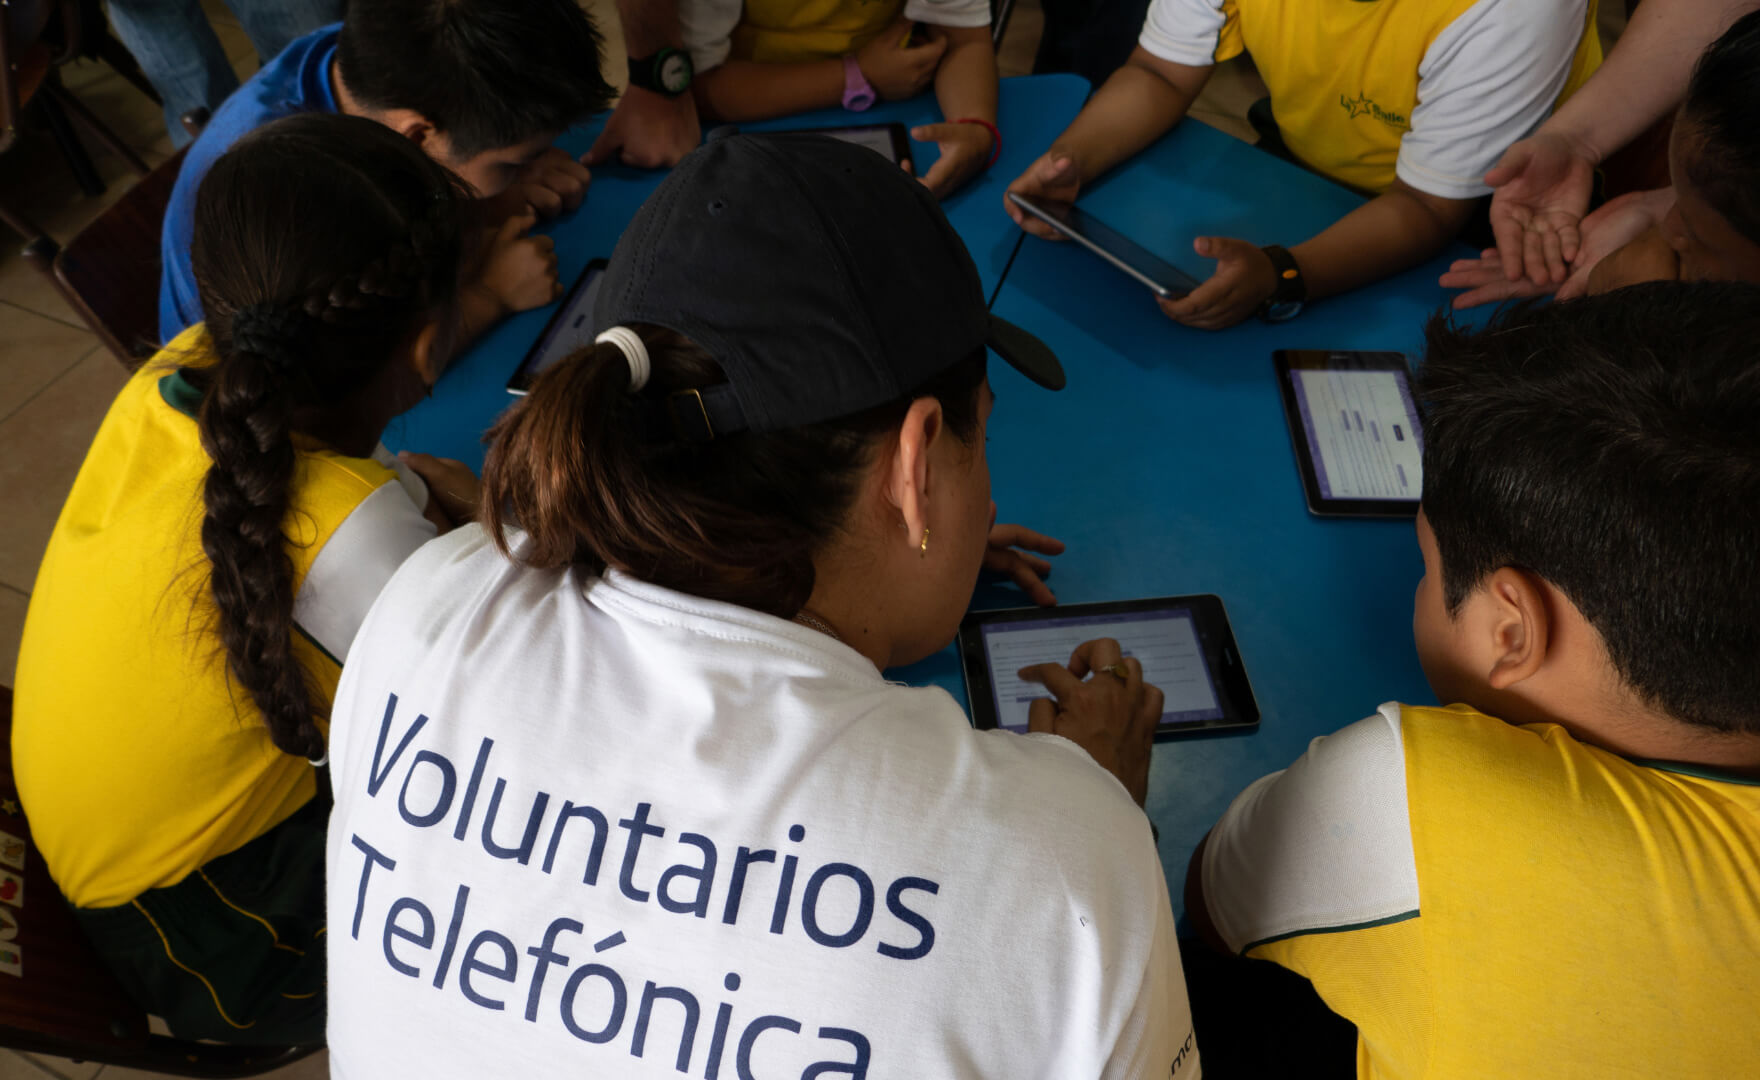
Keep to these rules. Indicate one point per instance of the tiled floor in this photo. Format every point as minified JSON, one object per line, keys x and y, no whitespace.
{"x":56,"y":380}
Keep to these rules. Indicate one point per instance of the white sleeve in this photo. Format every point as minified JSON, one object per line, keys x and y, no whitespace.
{"x":360,"y":557}
{"x":964,"y":13}
{"x":1184,"y":31}
{"x":1324,"y":845}
{"x":1486,"y":82}
{"x":707,"y":29}
{"x":1159,"y":1029}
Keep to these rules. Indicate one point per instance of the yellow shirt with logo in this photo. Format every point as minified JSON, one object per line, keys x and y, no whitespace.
{"x":1482,"y":899}
{"x":793,"y":31}
{"x":1456,"y":81}
{"x":136,"y":757}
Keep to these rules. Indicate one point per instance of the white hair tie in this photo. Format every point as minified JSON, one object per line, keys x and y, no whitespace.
{"x":630,"y":344}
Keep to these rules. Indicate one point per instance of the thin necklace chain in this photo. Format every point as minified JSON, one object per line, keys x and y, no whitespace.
{"x":813,"y":622}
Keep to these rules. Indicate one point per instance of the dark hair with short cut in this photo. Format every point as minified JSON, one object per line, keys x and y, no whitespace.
{"x":1722,"y":101}
{"x":578,"y":466}
{"x":487,"y":73}
{"x":322,"y":242}
{"x":1612,"y":446}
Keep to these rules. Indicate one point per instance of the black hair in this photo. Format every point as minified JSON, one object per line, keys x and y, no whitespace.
{"x":1722,"y":101}
{"x":577,"y":466}
{"x":486,"y":73}
{"x":1612,"y":446}
{"x":322,"y":242}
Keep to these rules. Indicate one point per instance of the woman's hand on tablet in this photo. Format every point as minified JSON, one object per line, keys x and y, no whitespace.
{"x":1027,"y":571}
{"x":1101,"y":703}
{"x":453,"y":490}
{"x":1053,"y":179}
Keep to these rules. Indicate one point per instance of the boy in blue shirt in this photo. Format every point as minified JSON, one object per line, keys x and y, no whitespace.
{"x":481,"y":86}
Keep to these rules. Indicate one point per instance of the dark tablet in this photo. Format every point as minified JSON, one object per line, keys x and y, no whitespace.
{"x":1161,"y":276}
{"x":890,"y":141}
{"x":570,"y":328}
{"x":1354,"y":425}
{"x":1183,"y":642}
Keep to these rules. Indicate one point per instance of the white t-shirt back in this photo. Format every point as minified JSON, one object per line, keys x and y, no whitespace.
{"x":592,"y":827}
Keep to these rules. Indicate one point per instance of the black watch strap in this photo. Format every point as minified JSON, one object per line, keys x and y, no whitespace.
{"x":1292,"y":288}
{"x":667,"y":72}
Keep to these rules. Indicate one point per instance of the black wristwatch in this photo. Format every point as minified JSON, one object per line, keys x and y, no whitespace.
{"x":667,"y":72}
{"x":1292,"y":289}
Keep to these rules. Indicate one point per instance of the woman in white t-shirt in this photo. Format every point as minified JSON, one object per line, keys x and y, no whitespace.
{"x":620,"y":787}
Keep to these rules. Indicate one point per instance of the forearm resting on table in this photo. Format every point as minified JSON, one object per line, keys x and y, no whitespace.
{"x":1392,"y":232}
{"x":1645,"y":76}
{"x":1131,"y":110}
{"x":742,"y":90}
{"x":965,"y":84}
{"x":648,"y":25}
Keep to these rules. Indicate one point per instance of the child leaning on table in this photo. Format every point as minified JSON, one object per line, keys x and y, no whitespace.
{"x":1411,"y":101}
{"x":232,"y":522}
{"x":481,"y":86}
{"x":757,"y":59}
{"x":1559,"y":874}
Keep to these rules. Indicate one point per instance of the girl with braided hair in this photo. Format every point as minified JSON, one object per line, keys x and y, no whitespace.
{"x":232,"y":522}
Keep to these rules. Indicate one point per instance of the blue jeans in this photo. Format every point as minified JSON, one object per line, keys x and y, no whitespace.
{"x":181,"y":55}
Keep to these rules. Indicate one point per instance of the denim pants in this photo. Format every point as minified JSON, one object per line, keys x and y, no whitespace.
{"x":182,"y":57}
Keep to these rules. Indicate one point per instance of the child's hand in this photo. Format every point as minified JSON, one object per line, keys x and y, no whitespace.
{"x":1243,"y":281}
{"x":964,"y":150}
{"x":1485,"y":281}
{"x":897,"y":73}
{"x":520,"y":270}
{"x":453,"y":490}
{"x":553,"y":183}
{"x":648,"y":131}
{"x":1053,"y":180}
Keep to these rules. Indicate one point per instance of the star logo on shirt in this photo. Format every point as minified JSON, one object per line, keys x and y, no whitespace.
{"x":1359,"y":105}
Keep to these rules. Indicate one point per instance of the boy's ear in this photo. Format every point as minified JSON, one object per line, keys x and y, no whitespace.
{"x":411,"y":125}
{"x":908,"y":477}
{"x":424,"y":353}
{"x":1521,"y":626}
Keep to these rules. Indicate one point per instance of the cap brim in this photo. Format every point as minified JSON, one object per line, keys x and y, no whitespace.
{"x":1026,"y":354}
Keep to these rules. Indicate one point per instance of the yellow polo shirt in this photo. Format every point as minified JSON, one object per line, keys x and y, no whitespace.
{"x":1431,"y":91}
{"x":1482,"y":899}
{"x":136,"y":757}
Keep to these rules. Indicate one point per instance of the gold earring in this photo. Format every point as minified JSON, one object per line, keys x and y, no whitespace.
{"x":925,"y":548}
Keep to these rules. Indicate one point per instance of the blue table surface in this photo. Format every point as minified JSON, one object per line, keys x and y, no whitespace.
{"x":1167,"y":465}
{"x":1031,"y":111}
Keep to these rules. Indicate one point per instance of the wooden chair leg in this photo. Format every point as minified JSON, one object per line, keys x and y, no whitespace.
{"x":53,"y":89}
{"x":72,"y":150}
{"x":23,"y":226}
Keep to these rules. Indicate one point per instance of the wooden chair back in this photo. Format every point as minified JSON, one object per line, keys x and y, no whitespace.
{"x":109,"y":273}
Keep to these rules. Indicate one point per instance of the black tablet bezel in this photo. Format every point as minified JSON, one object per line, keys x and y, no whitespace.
{"x":519,"y":382}
{"x":1180,"y":283}
{"x":1222,"y":657}
{"x":900,"y":135}
{"x":1288,"y":360}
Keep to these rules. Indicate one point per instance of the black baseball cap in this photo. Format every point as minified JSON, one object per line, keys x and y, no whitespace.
{"x":821,"y":277}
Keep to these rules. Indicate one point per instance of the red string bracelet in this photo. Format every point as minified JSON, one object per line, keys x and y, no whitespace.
{"x":995,"y":137}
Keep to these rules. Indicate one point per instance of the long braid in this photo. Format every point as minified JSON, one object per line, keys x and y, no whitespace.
{"x":303,"y":320}
{"x":247,"y":428}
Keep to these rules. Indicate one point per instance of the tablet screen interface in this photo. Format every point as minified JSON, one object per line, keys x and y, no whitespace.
{"x":572,"y":329}
{"x":877,"y":139}
{"x":1362,"y":431}
{"x":1165,"y":642}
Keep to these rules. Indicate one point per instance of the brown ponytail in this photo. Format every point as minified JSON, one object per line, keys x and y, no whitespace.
{"x":579,"y":467}
{"x":321,"y":243}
